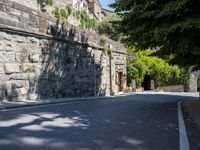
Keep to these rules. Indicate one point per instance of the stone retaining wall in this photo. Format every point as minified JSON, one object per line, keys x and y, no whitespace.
{"x":174,"y":88}
{"x":41,"y":58}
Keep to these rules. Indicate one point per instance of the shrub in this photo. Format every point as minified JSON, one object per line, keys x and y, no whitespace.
{"x":158,"y":69}
{"x":60,"y":14}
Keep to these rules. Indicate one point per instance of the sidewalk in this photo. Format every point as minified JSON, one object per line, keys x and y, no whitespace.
{"x":27,"y":103}
{"x":193,"y":109}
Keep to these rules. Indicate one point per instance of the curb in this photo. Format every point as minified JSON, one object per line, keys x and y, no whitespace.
{"x":4,"y":107}
{"x":193,"y":111}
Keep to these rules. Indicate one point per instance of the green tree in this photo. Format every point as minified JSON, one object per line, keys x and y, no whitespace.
{"x":173,"y":26}
{"x":109,"y":27}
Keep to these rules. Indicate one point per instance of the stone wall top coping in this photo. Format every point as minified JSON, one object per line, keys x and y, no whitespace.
{"x":11,"y":29}
{"x":18,"y":6}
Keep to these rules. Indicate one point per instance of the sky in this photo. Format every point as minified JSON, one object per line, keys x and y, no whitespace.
{"x":105,"y":3}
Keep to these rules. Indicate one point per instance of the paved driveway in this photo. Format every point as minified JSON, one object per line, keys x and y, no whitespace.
{"x":137,"y":122}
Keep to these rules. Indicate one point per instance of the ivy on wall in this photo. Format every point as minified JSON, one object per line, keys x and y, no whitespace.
{"x":86,"y":22}
{"x":62,"y":14}
{"x":49,"y":2}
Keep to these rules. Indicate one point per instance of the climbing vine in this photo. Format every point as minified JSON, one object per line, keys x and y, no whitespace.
{"x":49,"y":2}
{"x":62,"y":14}
{"x":86,"y":22}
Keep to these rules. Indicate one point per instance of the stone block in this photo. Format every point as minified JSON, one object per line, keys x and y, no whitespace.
{"x":19,"y":39}
{"x":1,"y":45}
{"x":25,"y":15}
{"x":15,"y":12}
{"x":4,"y":14}
{"x":4,"y":77}
{"x":18,"y":84}
{"x":1,"y":68}
{"x":7,"y":57}
{"x":23,"y":91}
{"x":12,"y":68}
{"x":12,"y":93}
{"x":9,"y":46}
{"x":5,"y":85}
{"x":33,"y":40}
{"x":32,"y":76}
{"x":2,"y":95}
{"x":17,"y":94}
{"x":19,"y":76}
{"x":34,"y":58}
{"x":23,"y":20}
{"x":28,"y":67}
{"x":22,"y":57}
{"x":13,"y":18}
{"x":34,"y":96}
{"x":22,"y":97}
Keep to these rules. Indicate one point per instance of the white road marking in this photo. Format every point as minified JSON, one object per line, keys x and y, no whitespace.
{"x":183,"y":139}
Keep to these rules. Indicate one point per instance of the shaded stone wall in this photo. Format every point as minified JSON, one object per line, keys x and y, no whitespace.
{"x":40,"y":58}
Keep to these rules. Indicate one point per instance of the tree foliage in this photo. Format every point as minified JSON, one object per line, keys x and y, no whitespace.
{"x":109,"y":26}
{"x":173,"y":26}
{"x":158,"y":69}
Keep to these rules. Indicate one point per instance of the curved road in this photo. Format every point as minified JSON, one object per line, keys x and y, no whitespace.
{"x":137,"y":122}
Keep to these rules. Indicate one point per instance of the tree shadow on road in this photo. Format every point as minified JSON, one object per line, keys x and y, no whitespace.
{"x":143,"y":122}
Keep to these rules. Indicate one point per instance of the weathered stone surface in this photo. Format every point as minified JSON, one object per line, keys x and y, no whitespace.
{"x":1,"y":68}
{"x":33,"y":40}
{"x":5,"y":36}
{"x":5,"y":85}
{"x":18,"y":83}
{"x":9,"y":46}
{"x":4,"y":77}
{"x":28,"y":67}
{"x":15,"y":12}
{"x":13,"y":68}
{"x":34,"y":58}
{"x":23,"y":91}
{"x":32,"y":76}
{"x":2,"y":95}
{"x":19,"y":39}
{"x":19,"y":76}
{"x":7,"y":57}
{"x":22,"y":57}
{"x":34,"y":96}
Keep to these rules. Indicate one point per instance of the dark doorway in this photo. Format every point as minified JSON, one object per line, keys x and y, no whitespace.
{"x":198,"y":84}
{"x":146,"y":83}
{"x":120,"y":81}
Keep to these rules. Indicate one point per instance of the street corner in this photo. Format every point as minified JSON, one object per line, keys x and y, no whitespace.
{"x":193,"y":109}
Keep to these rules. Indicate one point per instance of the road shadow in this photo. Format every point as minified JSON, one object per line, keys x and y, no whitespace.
{"x":143,"y":122}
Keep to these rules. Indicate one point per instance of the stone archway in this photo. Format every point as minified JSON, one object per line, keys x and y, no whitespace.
{"x":194,"y":84}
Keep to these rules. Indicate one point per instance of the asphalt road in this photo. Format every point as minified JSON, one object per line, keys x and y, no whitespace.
{"x":139,"y":122}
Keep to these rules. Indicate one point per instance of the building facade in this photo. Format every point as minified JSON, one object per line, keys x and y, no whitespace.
{"x":92,"y":7}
